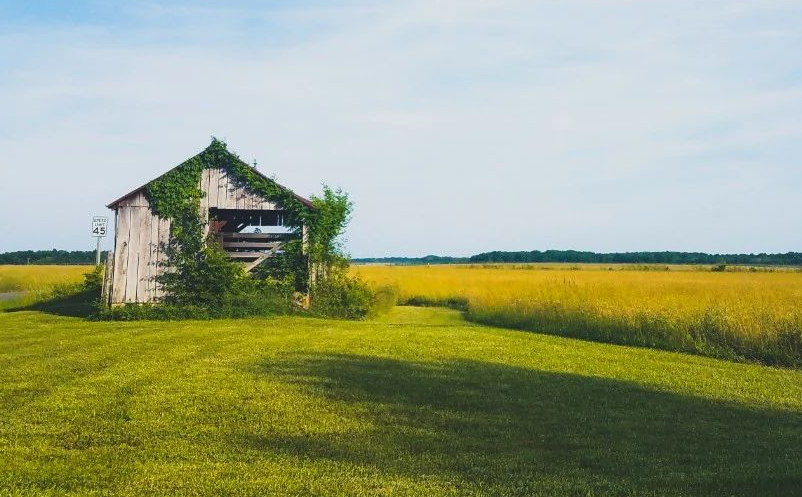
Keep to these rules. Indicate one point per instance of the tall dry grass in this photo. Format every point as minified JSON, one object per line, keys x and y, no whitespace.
{"x":755,"y":316}
{"x":39,"y":278}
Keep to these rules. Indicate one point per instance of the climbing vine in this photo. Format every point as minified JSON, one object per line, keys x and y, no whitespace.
{"x":173,"y":194}
{"x":201,"y":276}
{"x":199,"y":273}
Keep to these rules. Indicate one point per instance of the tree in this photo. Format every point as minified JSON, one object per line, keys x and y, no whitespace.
{"x":332,"y":214}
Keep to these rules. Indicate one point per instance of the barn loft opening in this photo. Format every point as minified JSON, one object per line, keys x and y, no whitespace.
{"x":249,"y":236}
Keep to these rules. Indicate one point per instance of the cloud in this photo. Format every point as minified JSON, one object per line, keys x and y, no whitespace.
{"x":457,"y":126}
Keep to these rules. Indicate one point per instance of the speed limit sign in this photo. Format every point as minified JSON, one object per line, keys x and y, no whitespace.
{"x":99,"y":226}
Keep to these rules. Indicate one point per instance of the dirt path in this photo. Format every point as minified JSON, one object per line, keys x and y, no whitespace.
{"x":10,"y":295}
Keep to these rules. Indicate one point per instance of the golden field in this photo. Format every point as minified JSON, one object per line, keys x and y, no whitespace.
{"x":39,"y":278}
{"x":742,"y":314}
{"x":737,"y":314}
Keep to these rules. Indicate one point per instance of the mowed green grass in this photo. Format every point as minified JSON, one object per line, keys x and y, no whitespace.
{"x":418,"y":402}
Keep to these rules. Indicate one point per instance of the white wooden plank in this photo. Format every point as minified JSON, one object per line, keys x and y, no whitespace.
{"x":254,"y":200}
{"x":120,"y":234}
{"x":204,"y":201}
{"x":250,"y":200}
{"x":240,"y":188}
{"x":157,"y":255}
{"x":222,"y":189}
{"x":108,"y":278}
{"x":132,"y":277}
{"x":136,"y":200}
{"x":211,"y":188}
{"x":231,"y":192}
{"x":143,"y":274}
{"x":154,"y":256}
{"x":214,"y":179}
{"x":115,"y":251}
{"x":231,"y":199}
{"x":239,"y":196}
{"x":164,"y":239}
{"x":121,"y":254}
{"x":244,"y":197}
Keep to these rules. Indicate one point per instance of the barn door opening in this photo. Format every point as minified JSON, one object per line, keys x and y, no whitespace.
{"x":249,"y":236}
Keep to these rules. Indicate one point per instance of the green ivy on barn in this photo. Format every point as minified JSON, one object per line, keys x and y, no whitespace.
{"x":199,"y":272}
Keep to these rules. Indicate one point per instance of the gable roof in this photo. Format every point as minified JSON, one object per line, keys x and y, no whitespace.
{"x":306,"y":202}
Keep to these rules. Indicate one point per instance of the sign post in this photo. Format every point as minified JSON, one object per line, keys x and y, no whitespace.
{"x":99,"y":228}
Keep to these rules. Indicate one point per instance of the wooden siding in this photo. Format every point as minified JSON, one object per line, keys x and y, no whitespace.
{"x":138,"y":253}
{"x":137,"y":200}
{"x":140,"y":235}
{"x":223,"y":192}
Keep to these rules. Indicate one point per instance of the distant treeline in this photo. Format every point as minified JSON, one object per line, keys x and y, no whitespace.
{"x":50,"y":257}
{"x":787,"y":259}
{"x":547,"y":256}
{"x":575,"y":256}
{"x":429,"y":259}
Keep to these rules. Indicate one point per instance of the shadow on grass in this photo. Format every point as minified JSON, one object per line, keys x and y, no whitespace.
{"x":515,"y":431}
{"x":78,"y":305}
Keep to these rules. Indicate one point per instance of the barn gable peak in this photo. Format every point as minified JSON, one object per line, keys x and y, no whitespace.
{"x":219,"y":149}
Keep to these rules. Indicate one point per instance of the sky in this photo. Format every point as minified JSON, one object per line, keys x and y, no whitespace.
{"x":456,"y":126}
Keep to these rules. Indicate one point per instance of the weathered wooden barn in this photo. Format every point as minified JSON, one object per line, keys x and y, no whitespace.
{"x":228,"y":207}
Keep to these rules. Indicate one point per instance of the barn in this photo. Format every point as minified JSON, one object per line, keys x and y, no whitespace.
{"x":237,"y":216}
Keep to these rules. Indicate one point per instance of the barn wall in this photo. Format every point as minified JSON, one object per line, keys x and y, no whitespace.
{"x":140,"y":235}
{"x":138,"y":241}
{"x":223,"y":192}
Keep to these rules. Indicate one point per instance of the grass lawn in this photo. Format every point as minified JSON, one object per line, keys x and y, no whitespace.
{"x":418,"y":402}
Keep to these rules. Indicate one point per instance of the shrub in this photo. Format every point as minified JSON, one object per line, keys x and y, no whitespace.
{"x":384,"y":298}
{"x":452,"y":302}
{"x":243,"y":297}
{"x":93,"y":281}
{"x":342,"y":296}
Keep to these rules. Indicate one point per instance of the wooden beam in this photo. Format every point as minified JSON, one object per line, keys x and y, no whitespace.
{"x":264,"y":236}
{"x":266,"y":255}
{"x":121,"y":232}
{"x":244,"y":255}
{"x":253,"y":245}
{"x":255,"y":262}
{"x":108,"y":278}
